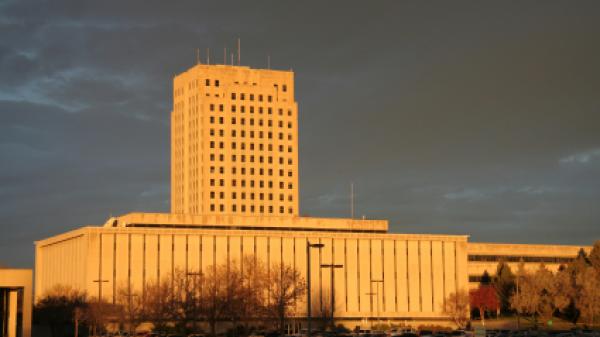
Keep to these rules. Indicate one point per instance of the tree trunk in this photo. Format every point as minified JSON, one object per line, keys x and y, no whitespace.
{"x":482,"y":315}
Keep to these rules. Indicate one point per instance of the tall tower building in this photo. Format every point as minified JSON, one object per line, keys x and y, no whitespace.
{"x":234,"y":142}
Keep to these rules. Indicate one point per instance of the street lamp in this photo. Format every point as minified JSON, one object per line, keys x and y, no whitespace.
{"x":333,"y":267}
{"x":308,"y":309}
{"x":371,"y":295}
{"x":377,"y":295}
{"x":98,"y":311}
{"x":194,"y":299}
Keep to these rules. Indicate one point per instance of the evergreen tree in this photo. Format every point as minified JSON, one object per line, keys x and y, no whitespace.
{"x":504,"y":283}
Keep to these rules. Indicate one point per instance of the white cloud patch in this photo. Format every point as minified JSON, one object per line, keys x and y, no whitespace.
{"x":582,"y":157}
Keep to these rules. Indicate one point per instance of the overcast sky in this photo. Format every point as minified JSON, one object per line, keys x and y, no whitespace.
{"x":479,"y":118}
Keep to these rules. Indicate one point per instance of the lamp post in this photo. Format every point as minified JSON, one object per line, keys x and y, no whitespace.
{"x":371,"y":294}
{"x":333,"y":267}
{"x":99,"y":281}
{"x":377,"y":295}
{"x":193,"y":274}
{"x":308,"y":308}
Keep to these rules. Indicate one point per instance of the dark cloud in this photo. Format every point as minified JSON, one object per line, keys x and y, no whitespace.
{"x":449,"y":117}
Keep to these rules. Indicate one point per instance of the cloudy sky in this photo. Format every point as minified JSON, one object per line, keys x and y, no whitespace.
{"x":479,"y":118}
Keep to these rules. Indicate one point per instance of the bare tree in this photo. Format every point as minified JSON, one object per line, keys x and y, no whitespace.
{"x":157,"y":303}
{"x":457,"y":307}
{"x":131,"y":306}
{"x":220,"y":295}
{"x":285,"y":286}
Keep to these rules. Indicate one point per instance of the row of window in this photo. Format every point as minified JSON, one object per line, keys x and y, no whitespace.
{"x":516,"y":258}
{"x":251,"y":196}
{"x":261,"y":183}
{"x":234,"y":157}
{"x":221,"y":145}
{"x":221,"y":120}
{"x":251,"y":209}
{"x":243,"y":170}
{"x":234,"y":133}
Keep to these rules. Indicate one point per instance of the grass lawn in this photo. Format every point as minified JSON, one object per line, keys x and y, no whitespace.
{"x":511,"y":323}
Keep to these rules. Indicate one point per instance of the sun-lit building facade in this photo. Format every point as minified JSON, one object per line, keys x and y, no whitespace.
{"x":234,"y":141}
{"x":393,"y":277}
{"x":234,"y":192}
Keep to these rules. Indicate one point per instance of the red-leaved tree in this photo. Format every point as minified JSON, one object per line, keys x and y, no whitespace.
{"x":484,"y":298}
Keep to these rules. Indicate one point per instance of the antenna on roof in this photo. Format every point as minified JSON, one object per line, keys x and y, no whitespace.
{"x":352,"y":200}
{"x":197,"y":55}
{"x":239,"y":52}
{"x":231,"y":58}
{"x":207,"y":55}
{"x":225,"y":55}
{"x":268,"y":61}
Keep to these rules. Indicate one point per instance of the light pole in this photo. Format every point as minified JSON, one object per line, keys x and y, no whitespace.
{"x":308,"y":308}
{"x":193,"y":274}
{"x":99,"y":281}
{"x":377,"y":295}
{"x":332,"y":267}
{"x":371,"y":295}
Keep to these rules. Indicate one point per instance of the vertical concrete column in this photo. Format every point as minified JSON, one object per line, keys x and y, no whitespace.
{"x":12,"y":313}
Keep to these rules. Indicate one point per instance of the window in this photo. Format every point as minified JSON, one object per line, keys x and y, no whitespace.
{"x":233,"y":95}
{"x":280,"y":124}
{"x":233,"y":208}
{"x":270,"y":209}
{"x":242,"y":108}
{"x":252,"y":97}
{"x":212,"y":107}
{"x":284,"y":88}
{"x":251,"y":109}
{"x":270,"y":98}
{"x":212,"y":194}
{"x":289,"y":112}
{"x":221,"y":107}
{"x":212,"y":182}
{"x":217,"y":83}
{"x":233,"y":108}
{"x":212,"y":145}
{"x":280,"y":112}
{"x":212,"y":207}
{"x":212,"y":119}
{"x":232,"y":120}
{"x":222,"y":208}
{"x":221,"y":195}
{"x":262,"y":208}
{"x":289,"y":186}
{"x":289,"y":125}
{"x":260,"y":98}
{"x":242,"y":96}
{"x":281,"y":209}
{"x":221,"y":145}
{"x":222,"y":182}
{"x":207,"y":82}
{"x":212,"y":157}
{"x":221,"y":120}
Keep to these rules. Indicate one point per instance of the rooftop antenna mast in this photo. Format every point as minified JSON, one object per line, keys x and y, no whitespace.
{"x":197,"y":55}
{"x":352,"y":200}
{"x":231,"y":58}
{"x":239,"y":52}
{"x":268,"y":61}
{"x":225,"y":55}
{"x":207,"y":55}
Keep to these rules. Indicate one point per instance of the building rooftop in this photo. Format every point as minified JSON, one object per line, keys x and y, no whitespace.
{"x":247,"y":222}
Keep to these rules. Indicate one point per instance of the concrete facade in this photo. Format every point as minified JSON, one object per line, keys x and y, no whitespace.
{"x":234,"y":142}
{"x":15,"y":302}
{"x":484,"y":257}
{"x":418,"y":271}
